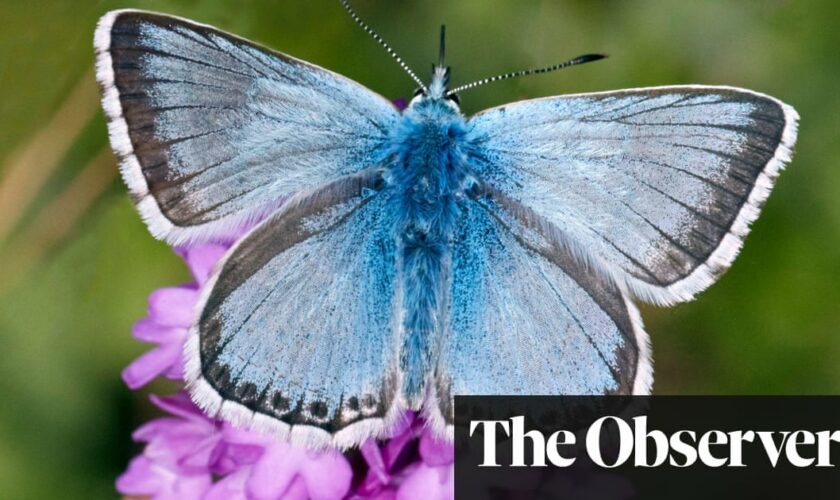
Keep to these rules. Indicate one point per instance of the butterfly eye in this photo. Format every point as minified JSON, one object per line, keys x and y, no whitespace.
{"x":418,"y":92}
{"x":454,"y":98}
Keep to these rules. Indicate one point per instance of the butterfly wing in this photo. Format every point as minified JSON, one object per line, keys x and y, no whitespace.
{"x":295,"y":336}
{"x":525,"y":317}
{"x":655,"y":186}
{"x":213,"y":130}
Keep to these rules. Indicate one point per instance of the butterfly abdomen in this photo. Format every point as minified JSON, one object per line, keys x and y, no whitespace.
{"x":423,"y":273}
{"x":427,"y":176}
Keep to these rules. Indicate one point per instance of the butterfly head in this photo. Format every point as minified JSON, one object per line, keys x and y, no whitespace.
{"x":438,"y":89}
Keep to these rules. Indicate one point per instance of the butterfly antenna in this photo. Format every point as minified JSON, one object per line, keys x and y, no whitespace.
{"x":442,"y":53}
{"x":525,"y":72}
{"x":391,"y":52}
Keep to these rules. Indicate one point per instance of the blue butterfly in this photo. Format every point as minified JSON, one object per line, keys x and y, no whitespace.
{"x":406,"y":256}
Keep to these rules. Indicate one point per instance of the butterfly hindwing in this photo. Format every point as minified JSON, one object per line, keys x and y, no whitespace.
{"x":213,"y":130}
{"x":524,"y":316}
{"x":655,"y":186}
{"x":295,"y":334}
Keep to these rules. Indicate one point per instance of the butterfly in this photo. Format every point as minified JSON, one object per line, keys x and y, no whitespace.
{"x":398,"y":258}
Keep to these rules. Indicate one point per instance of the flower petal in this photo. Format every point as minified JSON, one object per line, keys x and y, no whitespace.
{"x":230,"y":487}
{"x":176,"y":370}
{"x":428,"y":483}
{"x":407,"y":432}
{"x":202,"y":258}
{"x":237,"y":455}
{"x":142,"y":370}
{"x":297,"y":490}
{"x":327,"y":475}
{"x":148,"y":330}
{"x":199,"y":458}
{"x":173,"y":306}
{"x":373,"y":456}
{"x":385,"y":494}
{"x":154,"y":428}
{"x":273,"y":472}
{"x":139,"y":478}
{"x":193,"y":486}
{"x":180,"y":405}
{"x":436,"y":451}
{"x":171,"y":448}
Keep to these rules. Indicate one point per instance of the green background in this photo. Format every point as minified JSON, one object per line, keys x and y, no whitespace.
{"x":77,"y":263}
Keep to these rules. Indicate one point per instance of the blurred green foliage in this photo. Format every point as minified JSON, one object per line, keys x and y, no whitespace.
{"x":769,"y":326}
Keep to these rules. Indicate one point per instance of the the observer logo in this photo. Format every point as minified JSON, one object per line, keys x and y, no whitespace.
{"x":633,"y":443}
{"x":647,"y":447}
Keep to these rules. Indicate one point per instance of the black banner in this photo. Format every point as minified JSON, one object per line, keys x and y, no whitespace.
{"x":671,"y":447}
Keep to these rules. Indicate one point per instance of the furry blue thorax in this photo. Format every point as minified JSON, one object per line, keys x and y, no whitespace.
{"x":426,"y":176}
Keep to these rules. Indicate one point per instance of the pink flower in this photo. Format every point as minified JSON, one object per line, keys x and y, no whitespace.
{"x":188,"y":455}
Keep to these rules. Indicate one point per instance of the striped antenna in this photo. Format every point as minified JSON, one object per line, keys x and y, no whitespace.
{"x":525,"y":72}
{"x":391,"y":52}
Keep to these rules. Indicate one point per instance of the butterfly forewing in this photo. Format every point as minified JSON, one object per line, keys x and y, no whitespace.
{"x":659,"y":185}
{"x":213,"y":130}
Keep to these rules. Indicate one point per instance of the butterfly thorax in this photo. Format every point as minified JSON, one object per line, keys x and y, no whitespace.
{"x":427,"y":176}
{"x":428,"y":166}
